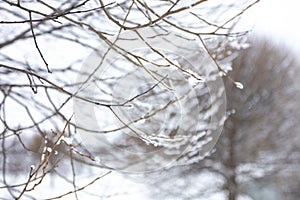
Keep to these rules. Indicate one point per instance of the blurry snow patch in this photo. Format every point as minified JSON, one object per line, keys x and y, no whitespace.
{"x":253,"y":170}
{"x":194,"y":75}
{"x":244,"y":197}
{"x":239,"y":45}
{"x":217,"y":196}
{"x":227,"y":66}
{"x":193,"y":81}
{"x":117,"y":186}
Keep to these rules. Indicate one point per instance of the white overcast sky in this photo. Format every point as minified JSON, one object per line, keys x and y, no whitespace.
{"x":278,"y":18}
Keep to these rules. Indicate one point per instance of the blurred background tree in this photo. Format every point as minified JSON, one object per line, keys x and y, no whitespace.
{"x":257,"y":156}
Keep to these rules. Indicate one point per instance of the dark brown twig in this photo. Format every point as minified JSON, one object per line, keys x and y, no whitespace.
{"x":36,"y":44}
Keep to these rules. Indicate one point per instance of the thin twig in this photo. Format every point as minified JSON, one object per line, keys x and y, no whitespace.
{"x":82,"y":188}
{"x":36,"y":44}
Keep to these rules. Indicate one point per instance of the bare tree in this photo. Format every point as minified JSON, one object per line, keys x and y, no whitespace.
{"x":46,"y":83}
{"x":262,"y":133}
{"x":258,"y":152}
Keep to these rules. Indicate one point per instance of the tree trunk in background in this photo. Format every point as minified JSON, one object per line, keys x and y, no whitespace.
{"x":231,"y":164}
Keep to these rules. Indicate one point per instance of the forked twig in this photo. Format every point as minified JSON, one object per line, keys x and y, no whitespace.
{"x":36,"y":44}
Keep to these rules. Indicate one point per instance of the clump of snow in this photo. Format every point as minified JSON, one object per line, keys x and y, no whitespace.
{"x":32,"y":167}
{"x":239,"y":85}
{"x":49,"y":149}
